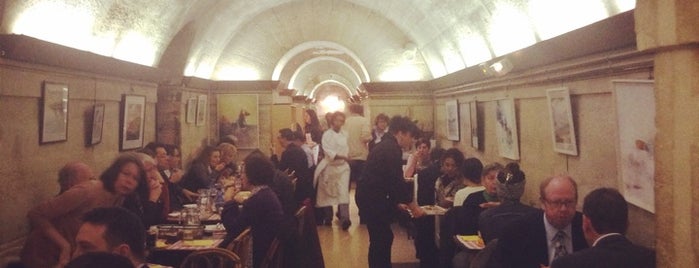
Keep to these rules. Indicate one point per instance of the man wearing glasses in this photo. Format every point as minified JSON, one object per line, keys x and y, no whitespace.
{"x":537,"y":239}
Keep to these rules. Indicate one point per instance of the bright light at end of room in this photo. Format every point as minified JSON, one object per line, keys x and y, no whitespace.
{"x":331,"y":104}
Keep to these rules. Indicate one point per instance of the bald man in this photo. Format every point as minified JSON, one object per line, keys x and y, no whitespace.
{"x":74,"y":173}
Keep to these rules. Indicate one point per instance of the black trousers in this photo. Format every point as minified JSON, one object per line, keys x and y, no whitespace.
{"x":380,"y":241}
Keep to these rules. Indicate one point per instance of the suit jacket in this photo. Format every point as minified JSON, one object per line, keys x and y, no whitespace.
{"x":524,"y":245}
{"x":614,"y":251}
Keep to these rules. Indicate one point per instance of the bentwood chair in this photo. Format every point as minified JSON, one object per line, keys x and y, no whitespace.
{"x":211,"y":258}
{"x":275,"y":255}
{"x":242,"y":246}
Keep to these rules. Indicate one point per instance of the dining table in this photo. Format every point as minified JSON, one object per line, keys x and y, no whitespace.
{"x":171,"y":248}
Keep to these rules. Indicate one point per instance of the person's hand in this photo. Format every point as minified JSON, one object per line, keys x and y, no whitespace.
{"x":230,"y":193}
{"x":176,"y":175}
{"x":190,"y":195}
{"x":155,"y":189}
{"x":220,"y":166}
{"x":489,"y":204}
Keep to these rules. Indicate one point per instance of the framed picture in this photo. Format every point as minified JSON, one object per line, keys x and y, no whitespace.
{"x":54,"y":113}
{"x":452,"y":120}
{"x":97,"y":124}
{"x":506,"y":129}
{"x":191,"y":110}
{"x":238,"y":120}
{"x":201,"y":110}
{"x":635,"y":114}
{"x":132,"y":122}
{"x":473,"y":106}
{"x":561,"y":116}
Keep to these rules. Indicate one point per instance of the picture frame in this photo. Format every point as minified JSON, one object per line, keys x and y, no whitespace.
{"x":97,"y":124}
{"x":133,"y":111}
{"x":635,"y":116}
{"x":452,"y":123}
{"x":54,"y":113}
{"x":506,"y":129}
{"x":201,"y":110}
{"x":561,"y":118}
{"x":475,"y":142}
{"x":191,"y":115}
{"x":238,"y":120}
{"x":465,"y":122}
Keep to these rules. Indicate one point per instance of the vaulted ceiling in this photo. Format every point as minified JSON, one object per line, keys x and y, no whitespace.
{"x":305,"y":44}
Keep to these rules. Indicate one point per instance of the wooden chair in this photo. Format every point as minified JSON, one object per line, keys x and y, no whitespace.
{"x":242,"y":245}
{"x":275,"y":255}
{"x":300,"y":220}
{"x":211,"y":258}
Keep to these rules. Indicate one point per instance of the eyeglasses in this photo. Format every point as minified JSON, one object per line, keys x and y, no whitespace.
{"x":560,"y":203}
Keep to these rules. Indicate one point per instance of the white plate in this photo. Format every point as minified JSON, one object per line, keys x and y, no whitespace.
{"x":173,"y":214}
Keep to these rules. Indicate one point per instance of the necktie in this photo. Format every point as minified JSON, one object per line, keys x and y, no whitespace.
{"x":559,"y":245}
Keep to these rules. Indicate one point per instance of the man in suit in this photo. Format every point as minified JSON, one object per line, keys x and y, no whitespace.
{"x":605,"y":220}
{"x":536,"y":239}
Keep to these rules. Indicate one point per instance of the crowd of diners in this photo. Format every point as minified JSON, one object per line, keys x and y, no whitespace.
{"x":93,"y":219}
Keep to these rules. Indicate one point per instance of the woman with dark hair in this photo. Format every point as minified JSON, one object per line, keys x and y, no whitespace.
{"x":312,"y":126}
{"x":56,"y":221}
{"x":451,"y":180}
{"x":262,"y":211}
{"x":204,"y":171}
{"x":419,"y":159}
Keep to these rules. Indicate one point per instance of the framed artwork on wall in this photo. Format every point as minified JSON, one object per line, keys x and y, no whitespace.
{"x":475,"y":143}
{"x":191,"y":115}
{"x":561,"y":117}
{"x":465,"y":122}
{"x":238,"y":120}
{"x":54,"y":113}
{"x":201,"y":110}
{"x":506,"y":129}
{"x":635,"y":113}
{"x":452,"y":107}
{"x":97,"y":124}
{"x":133,"y":111}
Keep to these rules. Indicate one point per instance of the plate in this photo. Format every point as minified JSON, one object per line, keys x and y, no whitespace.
{"x":434,"y":210}
{"x":174,"y":214}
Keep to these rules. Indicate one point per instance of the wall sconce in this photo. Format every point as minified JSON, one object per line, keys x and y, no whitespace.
{"x":497,"y":68}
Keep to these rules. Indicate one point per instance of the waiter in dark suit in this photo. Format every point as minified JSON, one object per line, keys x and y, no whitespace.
{"x":539,"y":238}
{"x":381,"y":191}
{"x":605,"y":220}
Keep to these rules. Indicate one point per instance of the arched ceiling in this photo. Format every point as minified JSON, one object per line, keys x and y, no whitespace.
{"x":304,"y":44}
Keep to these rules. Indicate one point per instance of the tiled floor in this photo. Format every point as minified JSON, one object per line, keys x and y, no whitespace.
{"x":348,"y":249}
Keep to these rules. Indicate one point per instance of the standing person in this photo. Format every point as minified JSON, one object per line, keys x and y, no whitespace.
{"x":380,"y":128}
{"x":204,"y":171}
{"x":332,"y":174}
{"x":380,"y":192}
{"x":294,"y":160}
{"x":605,"y":220}
{"x":312,"y":126}
{"x":56,"y":221}
{"x":114,"y":230}
{"x":538,"y":238}
{"x":358,"y":136}
{"x":73,"y":173}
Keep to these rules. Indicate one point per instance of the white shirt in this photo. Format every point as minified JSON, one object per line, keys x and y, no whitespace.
{"x":335,"y":143}
{"x":551,"y":232}
{"x":461,"y":195}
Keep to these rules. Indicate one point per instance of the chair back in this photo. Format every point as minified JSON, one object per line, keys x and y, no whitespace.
{"x":211,"y":258}
{"x":275,"y":255}
{"x":242,"y":246}
{"x":300,"y":220}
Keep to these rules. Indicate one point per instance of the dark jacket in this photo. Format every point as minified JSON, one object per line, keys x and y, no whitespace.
{"x":262,"y":212}
{"x":199,"y":177}
{"x":493,"y":221}
{"x":614,"y":251}
{"x":294,"y":159}
{"x":524,"y":245}
{"x":381,"y":186}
